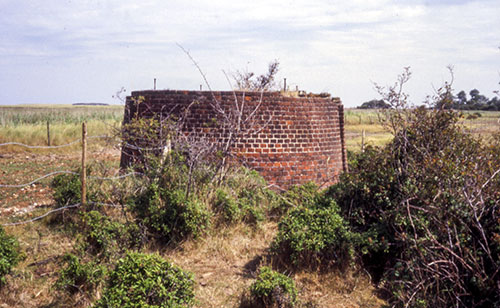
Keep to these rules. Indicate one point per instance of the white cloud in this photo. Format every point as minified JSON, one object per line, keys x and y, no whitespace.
{"x":323,"y":45}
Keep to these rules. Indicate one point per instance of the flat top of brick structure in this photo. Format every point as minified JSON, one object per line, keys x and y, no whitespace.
{"x":287,"y":94}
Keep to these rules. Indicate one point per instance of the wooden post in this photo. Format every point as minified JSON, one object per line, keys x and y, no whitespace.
{"x":363,"y":141}
{"x":84,"y":158}
{"x":48,"y":133}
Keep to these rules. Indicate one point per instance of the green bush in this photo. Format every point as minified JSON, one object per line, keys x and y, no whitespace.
{"x":169,"y":214}
{"x":245,"y":197}
{"x":79,"y":277}
{"x":273,"y":289}
{"x":305,"y":195}
{"x":105,"y":237}
{"x":147,"y":280}
{"x":9,"y":254}
{"x":67,"y":189}
{"x":314,"y":234}
{"x":246,"y":207}
{"x":429,"y":202}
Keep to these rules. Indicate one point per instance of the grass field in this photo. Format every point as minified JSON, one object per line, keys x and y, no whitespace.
{"x":482,"y":124}
{"x":28,"y":124}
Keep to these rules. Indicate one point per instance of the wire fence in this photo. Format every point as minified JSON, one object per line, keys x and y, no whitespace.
{"x":82,"y":174}
{"x":17,"y":223}
{"x":53,"y":146}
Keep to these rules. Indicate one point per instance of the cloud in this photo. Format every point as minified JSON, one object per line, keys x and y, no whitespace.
{"x":337,"y":46}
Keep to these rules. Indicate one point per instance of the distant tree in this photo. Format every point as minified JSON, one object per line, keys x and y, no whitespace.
{"x":461,"y":98}
{"x":374,"y":104}
{"x":477,"y":101}
{"x":477,"y":98}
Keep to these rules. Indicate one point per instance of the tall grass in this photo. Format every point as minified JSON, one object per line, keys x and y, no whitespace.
{"x":67,"y":114}
{"x":480,"y":123}
{"x":28,"y":124}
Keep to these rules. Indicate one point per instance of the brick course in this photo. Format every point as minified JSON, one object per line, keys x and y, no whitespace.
{"x":302,"y":138}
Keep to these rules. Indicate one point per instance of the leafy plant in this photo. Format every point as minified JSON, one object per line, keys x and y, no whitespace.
{"x":9,"y":254}
{"x":244,"y":208}
{"x":147,"y":280}
{"x":103,"y":236}
{"x":67,"y":189}
{"x":430,"y":200}
{"x":272,"y":289}
{"x":169,"y":214}
{"x":314,"y":233}
{"x":78,"y":276}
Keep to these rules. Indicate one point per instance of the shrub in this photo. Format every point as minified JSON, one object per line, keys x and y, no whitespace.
{"x":104,"y":236}
{"x":273,"y":289}
{"x":314,"y":234}
{"x":9,"y":254}
{"x":306,"y":195}
{"x":79,"y":277}
{"x":147,"y":280}
{"x":170,"y":214}
{"x":246,"y":207}
{"x":430,"y":198}
{"x":67,"y":189}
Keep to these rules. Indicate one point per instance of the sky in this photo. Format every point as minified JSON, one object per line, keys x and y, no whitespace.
{"x":71,"y":51}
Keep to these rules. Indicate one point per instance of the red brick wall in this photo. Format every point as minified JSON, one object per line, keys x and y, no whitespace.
{"x":301,"y":139}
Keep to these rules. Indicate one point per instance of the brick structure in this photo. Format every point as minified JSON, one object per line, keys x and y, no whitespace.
{"x":301,"y":138}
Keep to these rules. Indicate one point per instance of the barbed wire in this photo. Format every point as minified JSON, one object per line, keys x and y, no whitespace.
{"x":134,"y":147}
{"x":114,"y":177}
{"x":52,"y":146}
{"x":39,"y":179}
{"x":69,"y":172}
{"x":41,"y":216}
{"x":57,"y":210}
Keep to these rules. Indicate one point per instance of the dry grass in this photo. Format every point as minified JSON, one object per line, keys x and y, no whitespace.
{"x":224,"y":263}
{"x":359,"y":120}
{"x":31,"y":283}
{"x":28,"y":124}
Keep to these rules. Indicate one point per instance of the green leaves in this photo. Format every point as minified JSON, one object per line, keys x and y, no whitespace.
{"x":314,"y":233}
{"x":9,"y":254}
{"x":273,"y":289}
{"x":147,"y":280}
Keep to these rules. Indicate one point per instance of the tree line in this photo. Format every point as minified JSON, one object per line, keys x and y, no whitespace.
{"x":461,"y":101}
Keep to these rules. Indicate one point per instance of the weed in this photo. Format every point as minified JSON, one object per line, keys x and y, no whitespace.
{"x":104,"y":237}
{"x":147,"y":280}
{"x":273,"y":289}
{"x":9,"y":254}
{"x":169,"y":214}
{"x":78,"y":276}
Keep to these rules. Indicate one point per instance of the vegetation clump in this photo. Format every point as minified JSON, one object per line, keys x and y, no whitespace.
{"x":429,"y":203}
{"x":314,"y":233}
{"x":169,"y":214}
{"x":78,"y":276}
{"x":272,"y":289}
{"x":9,"y":254}
{"x":147,"y":280}
{"x":104,"y":237}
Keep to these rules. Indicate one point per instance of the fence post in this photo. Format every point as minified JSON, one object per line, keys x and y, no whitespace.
{"x":363,"y":141}
{"x":84,"y":158}
{"x":48,"y":133}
